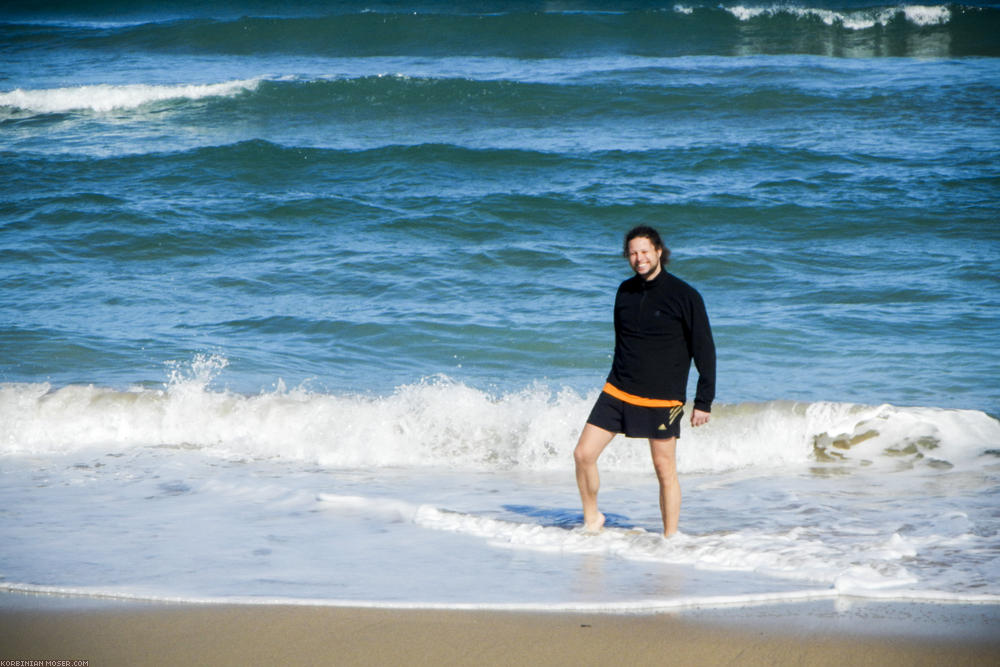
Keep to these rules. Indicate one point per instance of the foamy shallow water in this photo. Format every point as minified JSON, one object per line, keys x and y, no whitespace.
{"x":135,"y":510}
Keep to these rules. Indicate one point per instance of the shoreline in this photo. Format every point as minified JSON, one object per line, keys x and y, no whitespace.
{"x":106,"y":632}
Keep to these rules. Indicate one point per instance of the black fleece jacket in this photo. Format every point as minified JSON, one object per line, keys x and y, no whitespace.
{"x":660,"y":326}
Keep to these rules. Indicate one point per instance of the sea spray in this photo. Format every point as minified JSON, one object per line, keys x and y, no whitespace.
{"x":440,"y":422}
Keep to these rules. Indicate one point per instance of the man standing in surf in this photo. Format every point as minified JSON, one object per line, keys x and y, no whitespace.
{"x":660,"y":327}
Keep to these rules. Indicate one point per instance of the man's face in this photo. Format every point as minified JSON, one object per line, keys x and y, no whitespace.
{"x":643,"y":257}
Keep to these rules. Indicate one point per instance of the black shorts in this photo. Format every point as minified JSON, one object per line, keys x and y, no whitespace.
{"x":635,"y":421}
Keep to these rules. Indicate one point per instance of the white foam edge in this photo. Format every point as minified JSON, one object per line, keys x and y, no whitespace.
{"x":856,"y":581}
{"x":650,"y":606}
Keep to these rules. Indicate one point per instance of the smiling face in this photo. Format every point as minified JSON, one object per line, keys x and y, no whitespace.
{"x":644,"y":257}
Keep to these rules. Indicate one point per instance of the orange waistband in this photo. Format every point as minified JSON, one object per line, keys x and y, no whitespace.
{"x":639,"y":400}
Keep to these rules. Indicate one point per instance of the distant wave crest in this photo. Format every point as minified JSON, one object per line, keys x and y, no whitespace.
{"x":858,"y":19}
{"x":106,"y":97}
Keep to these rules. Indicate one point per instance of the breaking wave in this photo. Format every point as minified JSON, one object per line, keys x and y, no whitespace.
{"x":103,"y":98}
{"x":439,"y":422}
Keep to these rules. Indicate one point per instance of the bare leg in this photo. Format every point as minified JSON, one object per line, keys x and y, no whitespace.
{"x":592,"y":442}
{"x":665,"y":463}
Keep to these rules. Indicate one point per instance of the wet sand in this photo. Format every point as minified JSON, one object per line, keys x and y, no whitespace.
{"x":111,"y":632}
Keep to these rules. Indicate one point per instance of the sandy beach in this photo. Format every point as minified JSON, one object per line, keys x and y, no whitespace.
{"x":130,"y":633}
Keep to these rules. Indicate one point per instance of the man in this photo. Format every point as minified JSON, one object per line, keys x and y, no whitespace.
{"x":660,"y":326}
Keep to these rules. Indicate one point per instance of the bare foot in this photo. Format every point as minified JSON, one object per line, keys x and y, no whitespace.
{"x":594,"y":526}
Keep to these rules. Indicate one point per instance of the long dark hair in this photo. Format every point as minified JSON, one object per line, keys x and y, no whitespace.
{"x":647,"y":232}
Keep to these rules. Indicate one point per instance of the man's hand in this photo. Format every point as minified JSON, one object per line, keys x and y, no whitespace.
{"x":699,"y":417}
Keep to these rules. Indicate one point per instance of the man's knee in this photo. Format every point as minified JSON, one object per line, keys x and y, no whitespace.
{"x":664,"y":454}
{"x":592,"y":442}
{"x":584,"y":455}
{"x":665,"y":467}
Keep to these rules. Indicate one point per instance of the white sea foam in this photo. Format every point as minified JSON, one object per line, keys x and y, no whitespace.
{"x":872,"y":566}
{"x":443,"y":423}
{"x":104,"y":97}
{"x":927,"y":14}
{"x":861,"y":19}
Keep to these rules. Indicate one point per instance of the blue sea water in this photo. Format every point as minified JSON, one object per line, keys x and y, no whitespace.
{"x":309,"y":302}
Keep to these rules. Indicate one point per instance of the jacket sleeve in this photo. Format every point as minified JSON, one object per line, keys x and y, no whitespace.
{"x":703,"y":353}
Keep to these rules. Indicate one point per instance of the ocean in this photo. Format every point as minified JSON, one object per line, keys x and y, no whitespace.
{"x":308,"y":303}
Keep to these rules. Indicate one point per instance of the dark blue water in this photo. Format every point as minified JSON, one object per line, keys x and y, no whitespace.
{"x":367,"y":198}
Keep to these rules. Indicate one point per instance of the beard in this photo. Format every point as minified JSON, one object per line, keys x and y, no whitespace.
{"x":649,"y":273}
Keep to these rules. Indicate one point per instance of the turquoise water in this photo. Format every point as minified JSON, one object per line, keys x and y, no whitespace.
{"x":388,"y":237}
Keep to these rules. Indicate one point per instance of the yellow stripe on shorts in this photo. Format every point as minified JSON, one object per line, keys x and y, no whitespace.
{"x":675,"y":412}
